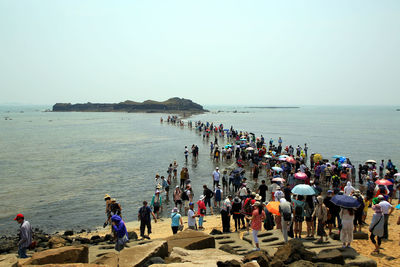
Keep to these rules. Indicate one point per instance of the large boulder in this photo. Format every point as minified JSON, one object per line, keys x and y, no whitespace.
{"x":330,"y":255}
{"x":361,"y":261}
{"x":57,"y":242}
{"x":7,"y":245}
{"x":204,"y":257}
{"x":140,"y":254}
{"x":261,"y":257}
{"x":8,"y":260}
{"x":132,"y":235}
{"x":228,"y":248}
{"x":290,"y":252}
{"x":79,"y":254}
{"x":190,"y":239}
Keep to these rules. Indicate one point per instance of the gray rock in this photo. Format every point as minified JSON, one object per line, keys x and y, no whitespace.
{"x":69,"y":232}
{"x":330,"y":255}
{"x":228,"y":248}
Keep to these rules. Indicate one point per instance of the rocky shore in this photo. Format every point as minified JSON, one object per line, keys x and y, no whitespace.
{"x":194,"y":248}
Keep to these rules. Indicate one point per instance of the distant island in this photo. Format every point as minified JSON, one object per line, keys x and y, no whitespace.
{"x":172,"y":105}
{"x":273,"y":107}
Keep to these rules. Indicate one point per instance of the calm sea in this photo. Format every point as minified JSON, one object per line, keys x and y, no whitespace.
{"x":56,"y":167}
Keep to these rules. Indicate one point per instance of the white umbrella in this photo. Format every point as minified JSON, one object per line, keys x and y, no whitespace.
{"x":371,"y":161}
{"x":249,"y":148}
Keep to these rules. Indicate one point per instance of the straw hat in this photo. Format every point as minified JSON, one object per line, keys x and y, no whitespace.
{"x":258,"y":197}
{"x":257,"y":203}
{"x":106,"y":196}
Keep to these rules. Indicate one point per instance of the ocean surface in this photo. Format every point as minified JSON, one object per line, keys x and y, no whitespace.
{"x":56,"y":167}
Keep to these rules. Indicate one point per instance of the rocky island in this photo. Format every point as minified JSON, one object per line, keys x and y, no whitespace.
{"x":172,"y":105}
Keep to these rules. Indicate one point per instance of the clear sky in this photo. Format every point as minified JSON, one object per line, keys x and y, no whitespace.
{"x":211,"y":51}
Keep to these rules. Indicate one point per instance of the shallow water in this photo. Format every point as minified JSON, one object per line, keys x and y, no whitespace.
{"x":56,"y":167}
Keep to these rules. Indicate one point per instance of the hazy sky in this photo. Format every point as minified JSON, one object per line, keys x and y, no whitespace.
{"x":213,"y":52}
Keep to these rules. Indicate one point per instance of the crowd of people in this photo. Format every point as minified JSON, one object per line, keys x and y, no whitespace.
{"x":295,"y":187}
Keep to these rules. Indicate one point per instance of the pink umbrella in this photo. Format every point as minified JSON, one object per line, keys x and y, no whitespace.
{"x":383,"y":182}
{"x":300,"y":175}
{"x":278,"y":179}
{"x":291,"y":160}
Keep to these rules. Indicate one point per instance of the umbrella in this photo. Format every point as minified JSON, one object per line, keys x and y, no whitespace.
{"x":383,"y":182}
{"x":397,"y":174}
{"x":342,"y":159}
{"x":337,"y":157}
{"x":264,"y":163}
{"x":283,"y":156}
{"x":370,"y":161}
{"x":345,"y":201}
{"x":291,"y":160}
{"x":226,"y":130}
{"x":268,"y":156}
{"x":273,"y":207}
{"x":282,"y":159}
{"x":277,"y":169}
{"x":278,"y":179}
{"x":317,"y":157}
{"x":398,"y":206}
{"x":300,"y":175}
{"x":237,"y":170}
{"x":243,"y":139}
{"x":249,"y":148}
{"x":303,"y":189}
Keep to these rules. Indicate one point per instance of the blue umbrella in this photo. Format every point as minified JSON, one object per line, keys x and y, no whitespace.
{"x":243,"y":139}
{"x":345,"y":201}
{"x":337,"y":157}
{"x":398,"y":206}
{"x":303,"y":189}
{"x":342,"y":159}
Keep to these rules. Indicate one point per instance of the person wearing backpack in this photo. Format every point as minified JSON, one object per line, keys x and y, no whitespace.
{"x":217,"y":197}
{"x":358,"y":214}
{"x":145,"y":220}
{"x":298,"y":215}
{"x":286,"y":210}
{"x":208,"y":194}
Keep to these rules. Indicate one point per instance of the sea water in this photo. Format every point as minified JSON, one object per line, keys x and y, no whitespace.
{"x":55,"y":167}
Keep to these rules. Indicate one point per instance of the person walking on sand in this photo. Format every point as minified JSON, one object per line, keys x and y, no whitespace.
{"x":257,"y":217}
{"x":321,"y":215}
{"x":387,"y":209}
{"x":120,"y":231}
{"x":208,"y":194}
{"x":201,"y":210}
{"x":376,"y":227}
{"x":145,"y":220}
{"x":176,"y":220}
{"x":226,"y":214}
{"x":286,"y":210}
{"x":192,"y":217}
{"x":25,"y":235}
{"x":346,"y":233}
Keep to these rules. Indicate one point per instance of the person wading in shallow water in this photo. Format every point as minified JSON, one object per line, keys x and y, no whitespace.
{"x":107,"y":199}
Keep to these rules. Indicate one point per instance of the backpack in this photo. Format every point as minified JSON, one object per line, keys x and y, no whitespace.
{"x":247,"y":206}
{"x":287,"y":216}
{"x":209,"y":193}
{"x":298,"y":210}
{"x":144,"y":213}
{"x":184,"y":196}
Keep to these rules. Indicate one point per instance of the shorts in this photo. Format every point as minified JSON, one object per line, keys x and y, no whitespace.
{"x":156,"y":208}
{"x":178,"y":202}
{"x":298,"y":218}
{"x":357,"y":219}
{"x":309,"y":219}
{"x":207,"y":201}
{"x":166,"y":189}
{"x":186,"y":203}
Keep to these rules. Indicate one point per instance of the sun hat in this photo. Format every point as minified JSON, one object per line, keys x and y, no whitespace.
{"x":106,"y":196}
{"x":253,"y":194}
{"x":257,"y":203}
{"x":158,"y":186}
{"x":157,"y":175}
{"x":258,"y":197}
{"x":113,"y":200}
{"x":175,"y":209}
{"x":177,"y":186}
{"x":216,"y":168}
{"x":19,"y":216}
{"x":381,"y":197}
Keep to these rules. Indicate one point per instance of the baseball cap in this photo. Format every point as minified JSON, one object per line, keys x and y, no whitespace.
{"x":191,"y":203}
{"x":19,"y":216}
